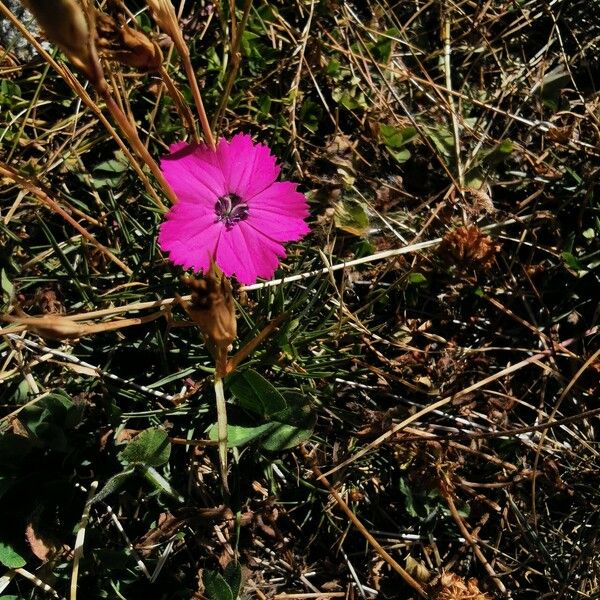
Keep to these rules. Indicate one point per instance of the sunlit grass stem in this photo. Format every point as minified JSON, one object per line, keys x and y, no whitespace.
{"x":221,"y":428}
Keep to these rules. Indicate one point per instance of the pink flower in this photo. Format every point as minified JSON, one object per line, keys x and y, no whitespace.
{"x":231,"y":208}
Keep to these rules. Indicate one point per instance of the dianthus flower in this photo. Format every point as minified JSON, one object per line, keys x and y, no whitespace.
{"x":230,"y":208}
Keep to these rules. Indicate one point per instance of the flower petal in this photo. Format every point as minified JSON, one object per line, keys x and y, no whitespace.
{"x":190,"y":240}
{"x":278,"y":212}
{"x":248,"y":168}
{"x":280,"y":198}
{"x":279,"y":228}
{"x":192,"y":174}
{"x":247,"y":254}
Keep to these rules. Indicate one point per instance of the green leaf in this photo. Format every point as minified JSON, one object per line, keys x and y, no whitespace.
{"x":417,"y":278}
{"x":216,"y":588}
{"x":443,"y":140}
{"x":10,"y":558}
{"x":500,"y":151}
{"x":233,"y":576}
{"x":572,"y":261}
{"x":333,"y":67}
{"x":283,"y":429}
{"x":395,"y":138}
{"x":292,"y":426}
{"x":283,"y":437}
{"x":240,"y":435}
{"x":255,"y":394}
{"x":7,"y":287}
{"x":113,"y":484}
{"x":351,"y":216}
{"x":349,"y":97}
{"x":310,"y":115}
{"x":160,"y":483}
{"x":401,"y":156}
{"x":408,"y":497}
{"x":151,"y":448}
{"x":382,"y":49}
{"x":110,"y":172}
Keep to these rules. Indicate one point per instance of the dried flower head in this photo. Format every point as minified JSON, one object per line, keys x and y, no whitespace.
{"x":65,"y":24}
{"x":230,"y":209}
{"x":452,"y":587}
{"x":117,"y":41}
{"x":468,"y":247}
{"x":212,"y":309}
{"x":163,"y":13}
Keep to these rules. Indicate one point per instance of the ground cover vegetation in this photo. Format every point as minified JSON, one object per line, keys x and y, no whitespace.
{"x":419,"y":423}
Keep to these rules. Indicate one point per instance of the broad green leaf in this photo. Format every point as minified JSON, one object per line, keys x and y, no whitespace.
{"x":572,"y":261}
{"x":401,"y":156}
{"x":298,"y":411}
{"x":417,"y":278}
{"x":233,"y":576}
{"x":216,"y":588}
{"x":10,"y":558}
{"x":283,"y":436}
{"x":333,"y":67}
{"x":284,"y":429}
{"x":49,"y":419}
{"x":292,"y":426}
{"x":351,"y":216}
{"x":255,"y":394}
{"x":394,"y":137}
{"x":151,"y":448}
{"x":240,"y":435}
{"x":350,"y":98}
{"x":109,"y":172}
{"x":443,"y":140}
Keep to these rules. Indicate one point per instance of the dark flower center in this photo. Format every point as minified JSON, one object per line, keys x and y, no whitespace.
{"x":231,"y":209}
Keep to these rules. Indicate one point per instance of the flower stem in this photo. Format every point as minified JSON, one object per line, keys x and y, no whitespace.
{"x":222,"y":429}
{"x":131,"y":134}
{"x":189,"y":71}
{"x":236,"y":58}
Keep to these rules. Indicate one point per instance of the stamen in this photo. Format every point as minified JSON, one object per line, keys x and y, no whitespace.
{"x":231,"y":209}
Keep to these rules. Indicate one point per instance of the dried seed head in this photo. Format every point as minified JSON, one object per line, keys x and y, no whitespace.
{"x":452,"y":587}
{"x":118,"y":41}
{"x":64,"y":23}
{"x":213,"y":310}
{"x":468,"y":247}
{"x":163,"y":13}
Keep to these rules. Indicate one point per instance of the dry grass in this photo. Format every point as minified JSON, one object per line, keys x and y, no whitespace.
{"x":442,"y":316}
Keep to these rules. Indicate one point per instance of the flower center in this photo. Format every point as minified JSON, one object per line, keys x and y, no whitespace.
{"x":231,"y":209}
